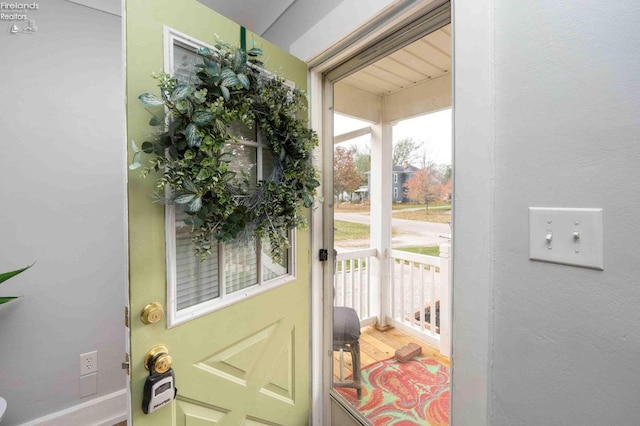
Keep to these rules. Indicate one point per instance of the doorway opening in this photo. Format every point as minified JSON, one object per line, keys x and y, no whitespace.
{"x":390,"y":223}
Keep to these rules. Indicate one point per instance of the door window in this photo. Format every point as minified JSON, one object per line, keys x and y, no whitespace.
{"x":233,"y":271}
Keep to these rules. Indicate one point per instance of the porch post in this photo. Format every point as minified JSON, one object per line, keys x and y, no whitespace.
{"x":445,"y":299}
{"x":380,"y":193}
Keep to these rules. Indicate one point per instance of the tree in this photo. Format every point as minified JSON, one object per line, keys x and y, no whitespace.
{"x":362,"y":160}
{"x":424,"y":186}
{"x":406,"y":150}
{"x":345,"y":175}
{"x":446,"y":171}
{"x":424,"y":157}
{"x":446,"y":188}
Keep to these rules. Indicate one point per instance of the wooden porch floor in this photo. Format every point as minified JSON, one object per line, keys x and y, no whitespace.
{"x":380,"y":345}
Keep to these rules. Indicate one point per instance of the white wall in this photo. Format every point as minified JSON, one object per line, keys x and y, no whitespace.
{"x":563,"y":341}
{"x":62,"y":192}
{"x":567,"y":340}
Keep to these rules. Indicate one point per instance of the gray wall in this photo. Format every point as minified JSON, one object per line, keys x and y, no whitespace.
{"x":297,"y":19}
{"x":62,"y":192}
{"x":564,"y":342}
{"x":567,"y":340}
{"x":309,"y":27}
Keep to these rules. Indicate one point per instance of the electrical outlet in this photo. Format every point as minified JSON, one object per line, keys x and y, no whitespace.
{"x":88,"y":363}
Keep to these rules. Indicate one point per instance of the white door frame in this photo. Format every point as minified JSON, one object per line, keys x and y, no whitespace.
{"x":473,"y":51}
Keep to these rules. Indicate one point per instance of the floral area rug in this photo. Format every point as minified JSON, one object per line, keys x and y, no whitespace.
{"x":403,"y":394}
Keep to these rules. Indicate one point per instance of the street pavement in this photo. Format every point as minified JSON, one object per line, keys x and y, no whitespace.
{"x":407,"y":232}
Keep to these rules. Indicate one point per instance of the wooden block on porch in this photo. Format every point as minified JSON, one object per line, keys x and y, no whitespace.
{"x":407,"y":352}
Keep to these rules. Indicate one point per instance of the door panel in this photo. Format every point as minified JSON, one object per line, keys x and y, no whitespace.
{"x":247,"y":363}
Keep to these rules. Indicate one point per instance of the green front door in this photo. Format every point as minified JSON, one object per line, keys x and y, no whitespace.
{"x":243,"y":359}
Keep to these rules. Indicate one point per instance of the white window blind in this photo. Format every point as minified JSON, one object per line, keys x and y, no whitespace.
{"x":184,"y":62}
{"x":270,"y":268}
{"x":196,"y":281}
{"x":240,"y":266}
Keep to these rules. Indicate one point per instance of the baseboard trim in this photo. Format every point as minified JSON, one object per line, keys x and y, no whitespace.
{"x":106,"y":410}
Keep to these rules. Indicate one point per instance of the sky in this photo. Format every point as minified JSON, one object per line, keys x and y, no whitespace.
{"x":433,"y":129}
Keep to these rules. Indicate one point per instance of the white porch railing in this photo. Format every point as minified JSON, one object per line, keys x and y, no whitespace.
{"x":352,"y":283}
{"x":420,"y":292}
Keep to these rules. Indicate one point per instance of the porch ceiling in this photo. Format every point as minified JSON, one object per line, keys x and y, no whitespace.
{"x":423,"y":60}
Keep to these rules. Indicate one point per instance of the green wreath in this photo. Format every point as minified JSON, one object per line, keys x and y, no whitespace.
{"x":194,"y":151}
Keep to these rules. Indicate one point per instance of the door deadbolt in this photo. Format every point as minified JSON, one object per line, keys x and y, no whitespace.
{"x":152,"y":313}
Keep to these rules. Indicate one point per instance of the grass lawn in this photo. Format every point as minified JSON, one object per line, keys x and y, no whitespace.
{"x":415,"y":206}
{"x":421,"y":215}
{"x":429,"y":251}
{"x":344,"y":231}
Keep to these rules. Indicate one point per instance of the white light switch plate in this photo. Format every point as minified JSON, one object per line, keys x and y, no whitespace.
{"x":567,"y":236}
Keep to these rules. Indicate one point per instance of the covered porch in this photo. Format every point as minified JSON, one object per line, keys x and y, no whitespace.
{"x":416,"y":305}
{"x":379,"y":345}
{"x":416,"y":286}
{"x":400,"y":296}
{"x":389,"y":287}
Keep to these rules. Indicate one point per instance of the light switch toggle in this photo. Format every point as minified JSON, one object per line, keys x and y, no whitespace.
{"x":576,"y":236}
{"x":549,"y":237}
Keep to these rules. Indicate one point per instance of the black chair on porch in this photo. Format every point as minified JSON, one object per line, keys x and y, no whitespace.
{"x":346,"y":337}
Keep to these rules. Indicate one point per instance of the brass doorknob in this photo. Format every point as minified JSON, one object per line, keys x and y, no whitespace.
{"x":152,"y":313}
{"x":159,"y":356}
{"x":162,"y":363}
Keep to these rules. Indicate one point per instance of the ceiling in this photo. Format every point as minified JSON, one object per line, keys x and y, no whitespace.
{"x":256,"y":15}
{"x":422,"y":60}
{"x":113,"y":7}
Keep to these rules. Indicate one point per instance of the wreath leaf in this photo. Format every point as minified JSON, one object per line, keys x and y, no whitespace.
{"x":150,"y":100}
{"x":180,"y":92}
{"x":244,"y":80}
{"x":195,"y":205}
{"x":155,"y":121}
{"x":202,"y":117}
{"x":225,"y":93}
{"x":191,"y":133}
{"x":230,"y":81}
{"x":189,"y":186}
{"x":184,"y":198}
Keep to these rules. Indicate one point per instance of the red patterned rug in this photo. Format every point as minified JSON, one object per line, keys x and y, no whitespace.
{"x":403,"y":394}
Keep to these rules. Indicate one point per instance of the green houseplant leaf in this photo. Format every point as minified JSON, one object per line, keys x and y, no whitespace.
{"x":5,"y":276}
